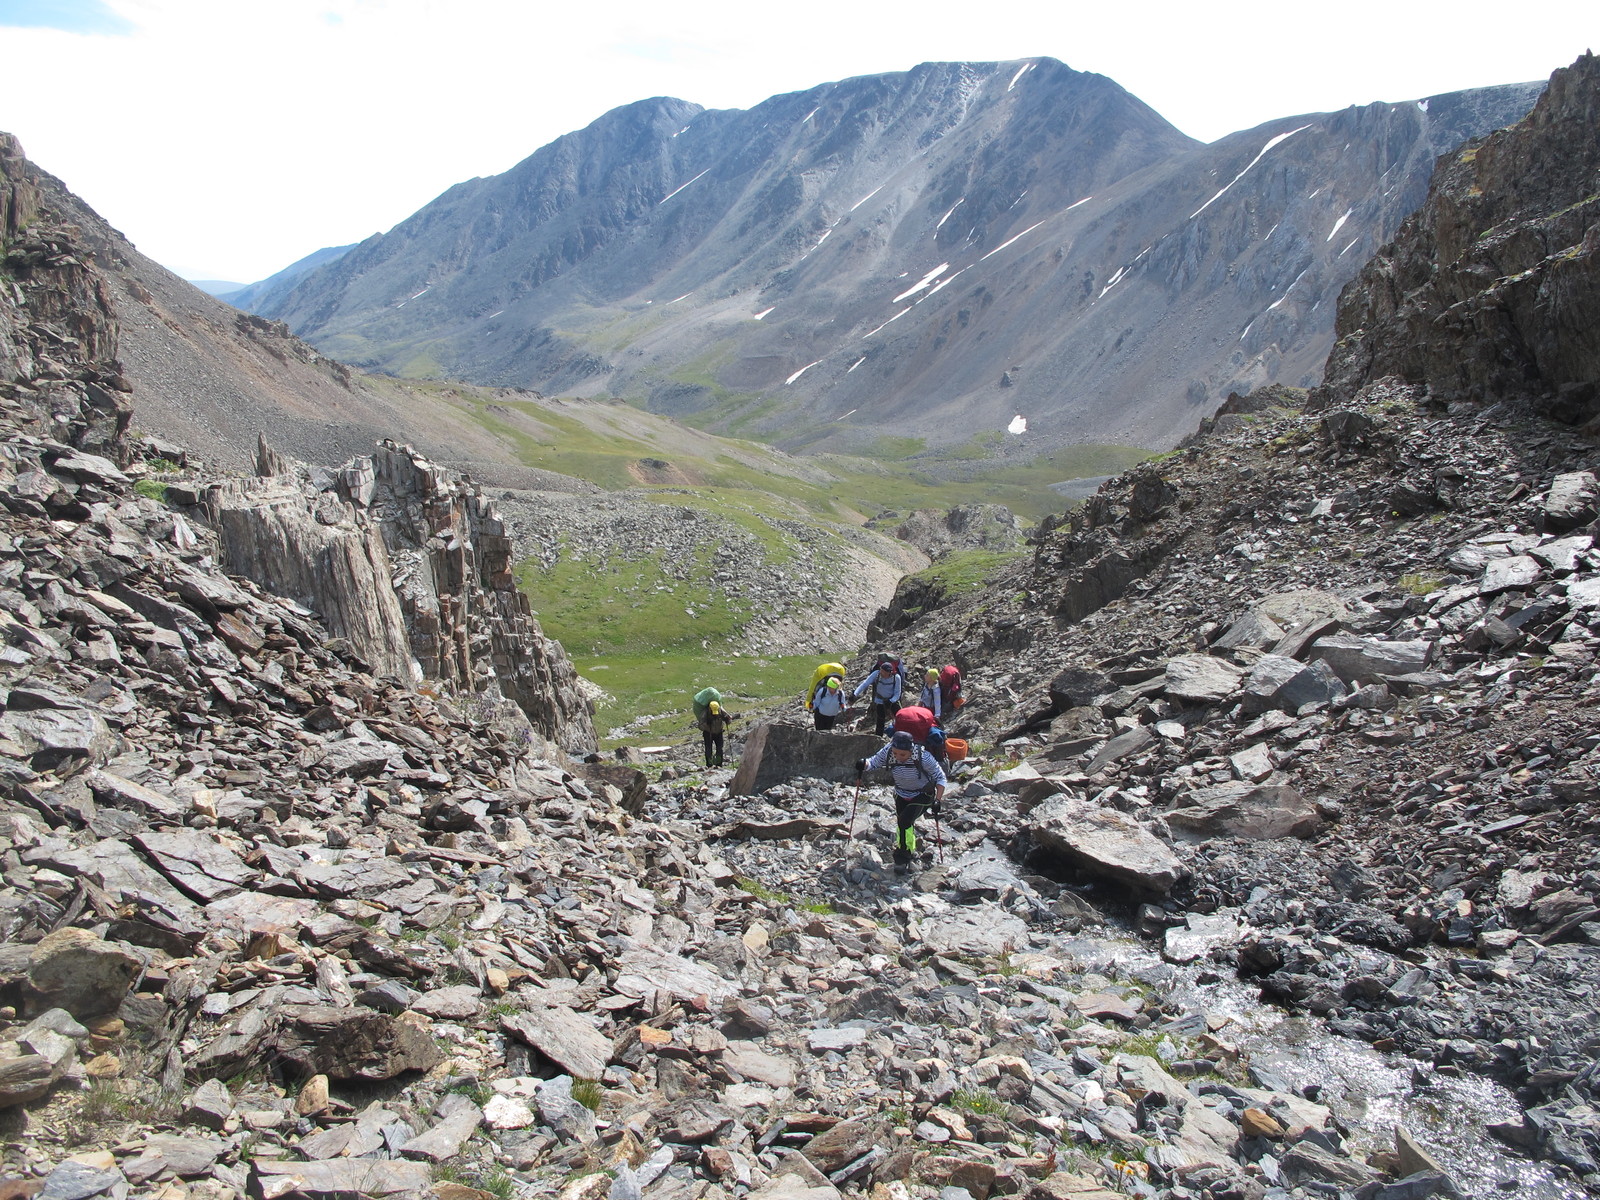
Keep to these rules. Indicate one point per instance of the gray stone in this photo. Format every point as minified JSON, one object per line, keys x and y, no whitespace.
{"x":1119,"y":748}
{"x":567,"y":1038}
{"x":1202,"y":679}
{"x":449,"y":1004}
{"x":1573,"y":500}
{"x":572,"y":1121}
{"x":822,"y":1040}
{"x":980,"y":930}
{"x":351,"y":1043}
{"x":1514,"y":572}
{"x":1105,"y":842}
{"x":75,"y":970}
{"x":197,"y":863}
{"x":456,"y":1120}
{"x":1244,"y":810}
{"x":52,"y":736}
{"x":78,"y":1181}
{"x":341,"y":1177}
{"x":776,"y":753}
{"x":1255,"y":630}
{"x":1356,"y":658}
{"x":390,"y":996}
{"x":646,"y":970}
{"x":750,"y":1062}
{"x":1277,"y":681}
{"x":24,"y":1079}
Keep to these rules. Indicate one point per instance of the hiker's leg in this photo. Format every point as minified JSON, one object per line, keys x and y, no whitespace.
{"x":905,"y":838}
{"x":716,"y":740}
{"x":705,"y":738}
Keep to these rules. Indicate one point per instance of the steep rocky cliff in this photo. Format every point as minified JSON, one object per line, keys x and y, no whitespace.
{"x":1492,"y":287}
{"x":328,"y":543}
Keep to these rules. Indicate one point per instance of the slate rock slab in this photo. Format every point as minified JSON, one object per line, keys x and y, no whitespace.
{"x":197,"y":864}
{"x":1202,"y":679}
{"x":643,"y":972}
{"x":777,"y":752}
{"x":567,"y":1038}
{"x":1105,"y":842}
{"x":340,"y":1177}
{"x":1244,"y":810}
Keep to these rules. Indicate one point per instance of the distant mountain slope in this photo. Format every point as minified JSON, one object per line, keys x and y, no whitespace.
{"x":925,"y":253}
{"x":250,"y":296}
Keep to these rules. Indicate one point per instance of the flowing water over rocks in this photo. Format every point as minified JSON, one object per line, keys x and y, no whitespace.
{"x":1032,"y":970}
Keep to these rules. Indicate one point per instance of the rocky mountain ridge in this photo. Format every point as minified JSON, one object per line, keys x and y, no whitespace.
{"x":925,"y":254}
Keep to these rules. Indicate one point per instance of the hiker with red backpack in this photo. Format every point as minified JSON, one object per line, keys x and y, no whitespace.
{"x":887,"y":686}
{"x":919,"y":783}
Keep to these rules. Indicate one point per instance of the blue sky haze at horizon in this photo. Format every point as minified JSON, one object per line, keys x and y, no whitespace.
{"x":228,"y":138}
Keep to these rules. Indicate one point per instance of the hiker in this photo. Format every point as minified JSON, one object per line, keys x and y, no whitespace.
{"x":886,"y":686}
{"x":828,"y":703}
{"x":712,"y":726}
{"x":919,"y":784}
{"x":930,"y":697}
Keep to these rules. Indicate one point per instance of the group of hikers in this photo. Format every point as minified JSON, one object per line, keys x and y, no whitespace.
{"x":917,"y":755}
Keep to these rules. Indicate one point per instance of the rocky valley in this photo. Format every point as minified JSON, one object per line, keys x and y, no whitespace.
{"x":1272,"y":871}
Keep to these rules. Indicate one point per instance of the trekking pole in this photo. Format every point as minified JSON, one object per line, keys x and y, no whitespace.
{"x":938,"y":834}
{"x":852,"y":837}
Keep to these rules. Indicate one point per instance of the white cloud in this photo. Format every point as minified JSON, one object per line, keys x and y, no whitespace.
{"x":230,"y":138}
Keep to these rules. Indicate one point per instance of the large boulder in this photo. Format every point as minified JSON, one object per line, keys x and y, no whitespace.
{"x":1244,"y":810}
{"x":1277,"y":681}
{"x":1354,"y":658}
{"x":1106,"y":843}
{"x":80,"y":972}
{"x":776,"y":753}
{"x":1573,"y":500}
{"x":1202,"y":679}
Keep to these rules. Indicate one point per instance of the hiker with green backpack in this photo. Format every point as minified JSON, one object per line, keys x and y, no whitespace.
{"x":919,"y":783}
{"x":712,"y":721}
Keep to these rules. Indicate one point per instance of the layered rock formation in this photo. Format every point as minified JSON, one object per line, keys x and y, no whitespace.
{"x":1491,"y":288}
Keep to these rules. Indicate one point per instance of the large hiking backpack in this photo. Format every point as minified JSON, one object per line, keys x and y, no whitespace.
{"x":915,"y":720}
{"x":950,"y":688}
{"x":702,"y":703}
{"x":821,"y":673}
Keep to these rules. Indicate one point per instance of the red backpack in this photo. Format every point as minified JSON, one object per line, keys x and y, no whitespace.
{"x":916,"y":721}
{"x":950,"y":689}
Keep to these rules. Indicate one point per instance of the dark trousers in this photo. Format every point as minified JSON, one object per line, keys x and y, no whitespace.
{"x":883,"y":712}
{"x":713,"y":743}
{"x":906,"y":811}
{"x":822,"y":721}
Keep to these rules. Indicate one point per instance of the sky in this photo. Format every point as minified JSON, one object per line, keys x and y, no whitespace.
{"x":228,"y":138}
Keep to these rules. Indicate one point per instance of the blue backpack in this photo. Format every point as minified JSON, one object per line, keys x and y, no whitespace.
{"x":934,"y":744}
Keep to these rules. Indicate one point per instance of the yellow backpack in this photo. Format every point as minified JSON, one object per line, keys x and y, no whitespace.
{"x":821,"y":673}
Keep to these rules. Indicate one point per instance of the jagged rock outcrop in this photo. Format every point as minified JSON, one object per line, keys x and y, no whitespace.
{"x":1491,"y":288}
